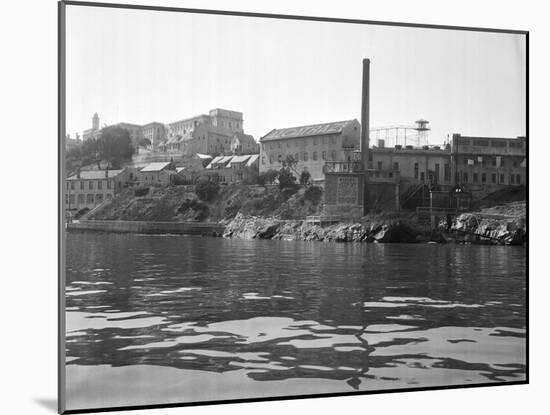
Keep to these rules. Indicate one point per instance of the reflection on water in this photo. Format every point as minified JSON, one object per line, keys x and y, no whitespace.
{"x":264,"y":318}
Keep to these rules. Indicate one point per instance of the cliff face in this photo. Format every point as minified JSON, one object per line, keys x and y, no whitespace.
{"x":370,"y":229}
{"x":507,"y":227}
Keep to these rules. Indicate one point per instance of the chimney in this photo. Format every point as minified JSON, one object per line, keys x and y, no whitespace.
{"x":365,"y":107}
{"x":107,"y":172}
{"x":78,"y":173}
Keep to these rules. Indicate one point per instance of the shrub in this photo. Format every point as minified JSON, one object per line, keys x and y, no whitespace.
{"x":267,"y":177}
{"x":286,"y":178}
{"x":313,"y":194}
{"x":141,"y":191}
{"x":207,"y":190}
{"x":305,"y":178}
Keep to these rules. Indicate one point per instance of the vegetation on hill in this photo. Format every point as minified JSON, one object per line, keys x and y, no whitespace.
{"x":210,"y":202}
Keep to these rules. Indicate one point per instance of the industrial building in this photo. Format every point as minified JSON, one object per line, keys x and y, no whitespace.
{"x":311,"y":146}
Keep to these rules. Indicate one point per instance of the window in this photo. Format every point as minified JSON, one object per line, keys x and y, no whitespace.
{"x":494,"y":161}
{"x":98,"y":198}
{"x":465,"y":162}
{"x":502,"y":163}
{"x":475,"y":177}
{"x":494,"y":178}
{"x":81,"y":182}
{"x":100,"y":184}
{"x":314,"y":141}
{"x":502,"y":178}
{"x":416,"y":170}
{"x":279,"y":158}
{"x":512,"y":179}
{"x":81,"y":198}
{"x":271,"y":159}
{"x":465,"y":177}
{"x":447,"y":172}
{"x":379,"y":165}
{"x":515,"y":164}
{"x":518,"y":179}
{"x":66,"y":199}
{"x":71,"y":199}
{"x":333,"y":140}
{"x":324,"y":155}
{"x":436,"y":172}
{"x":297,"y":156}
{"x":109,"y":184}
{"x":305,"y":156}
{"x":72,"y":185}
{"x":333,"y":154}
{"x":396,"y":166}
{"x":422,"y":177}
{"x":89,"y":199}
{"x":314,"y":155}
{"x":90,"y":185}
{"x":483,"y":177}
{"x":67,"y":185}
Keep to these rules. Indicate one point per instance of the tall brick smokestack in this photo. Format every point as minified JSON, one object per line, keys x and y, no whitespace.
{"x":365,"y":119}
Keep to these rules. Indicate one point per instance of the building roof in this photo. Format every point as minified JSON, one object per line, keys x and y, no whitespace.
{"x":203,"y":156}
{"x":95,"y":174}
{"x":158,"y":166}
{"x":252,"y":159}
{"x":239,"y":159}
{"x":306,"y":130}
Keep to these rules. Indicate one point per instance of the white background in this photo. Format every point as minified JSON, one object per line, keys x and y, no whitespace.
{"x":28,"y":85}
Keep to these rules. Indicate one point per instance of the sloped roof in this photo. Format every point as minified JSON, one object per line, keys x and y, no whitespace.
{"x":252,"y":159}
{"x":306,"y":130}
{"x":239,"y":159}
{"x":203,"y":156}
{"x":95,"y":174}
{"x":158,"y":166}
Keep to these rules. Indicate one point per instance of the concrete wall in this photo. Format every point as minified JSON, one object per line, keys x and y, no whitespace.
{"x":121,"y":226}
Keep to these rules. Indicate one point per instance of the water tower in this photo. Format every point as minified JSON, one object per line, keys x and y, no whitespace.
{"x":422,"y":129}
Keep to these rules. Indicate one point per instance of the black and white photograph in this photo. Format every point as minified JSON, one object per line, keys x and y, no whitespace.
{"x":259,"y":206}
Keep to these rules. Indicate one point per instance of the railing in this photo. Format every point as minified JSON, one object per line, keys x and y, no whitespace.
{"x":342,"y":167}
{"x":437,"y":211}
{"x":322,"y":219}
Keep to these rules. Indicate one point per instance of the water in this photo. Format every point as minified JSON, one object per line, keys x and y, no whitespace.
{"x":158,"y":319}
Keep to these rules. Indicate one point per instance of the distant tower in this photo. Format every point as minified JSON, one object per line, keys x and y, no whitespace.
{"x":422,"y":129}
{"x":95,"y":122}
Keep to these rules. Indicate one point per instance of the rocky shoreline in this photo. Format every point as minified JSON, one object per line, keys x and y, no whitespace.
{"x":465,"y":228}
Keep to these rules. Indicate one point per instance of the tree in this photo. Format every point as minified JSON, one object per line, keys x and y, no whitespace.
{"x":115,"y":146}
{"x":286,"y":177}
{"x":305,"y":178}
{"x":207,"y":190}
{"x":267,"y":177}
{"x":144,"y":142}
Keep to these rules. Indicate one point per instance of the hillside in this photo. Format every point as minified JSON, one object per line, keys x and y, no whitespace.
{"x":181,"y":203}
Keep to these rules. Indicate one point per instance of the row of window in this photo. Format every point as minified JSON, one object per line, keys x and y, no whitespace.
{"x":80,"y":184}
{"x":493,"y":143}
{"x":303,"y":156}
{"x":513,"y":178}
{"x":302,"y":142}
{"x":494,"y":161}
{"x":87,"y":199}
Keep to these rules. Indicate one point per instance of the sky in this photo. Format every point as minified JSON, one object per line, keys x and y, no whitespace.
{"x":141,"y":66}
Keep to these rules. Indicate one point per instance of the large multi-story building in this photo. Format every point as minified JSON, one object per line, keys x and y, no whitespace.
{"x":155,"y":132}
{"x":311,"y":146}
{"x":488,"y":161}
{"x":208,"y":134}
{"x":89,"y":188}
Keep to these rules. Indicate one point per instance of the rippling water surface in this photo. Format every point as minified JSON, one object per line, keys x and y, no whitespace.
{"x":159,"y":319}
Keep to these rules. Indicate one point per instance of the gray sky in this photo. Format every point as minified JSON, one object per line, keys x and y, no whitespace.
{"x":142,"y":66}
